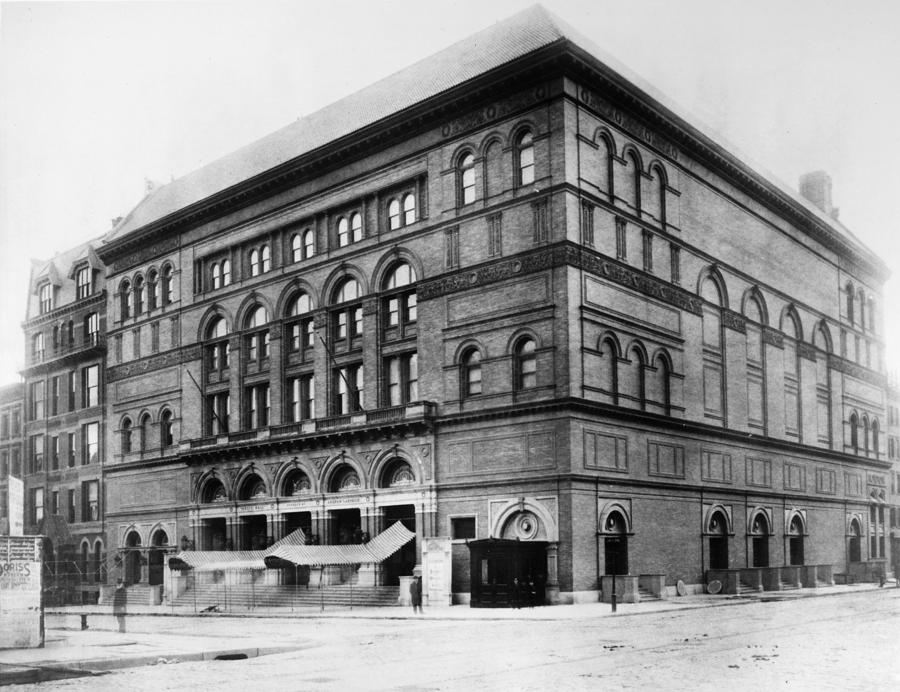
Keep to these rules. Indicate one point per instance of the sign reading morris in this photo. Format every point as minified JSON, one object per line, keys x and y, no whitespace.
{"x":21,"y":610}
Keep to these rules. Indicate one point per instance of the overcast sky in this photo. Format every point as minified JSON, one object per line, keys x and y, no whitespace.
{"x":95,"y":98}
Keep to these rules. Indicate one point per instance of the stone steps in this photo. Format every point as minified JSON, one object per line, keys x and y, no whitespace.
{"x":246,"y":597}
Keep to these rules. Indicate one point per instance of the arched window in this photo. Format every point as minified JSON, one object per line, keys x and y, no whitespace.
{"x":216,"y":274}
{"x":217,"y":349}
{"x":525,"y":158}
{"x":266,"y":259}
{"x":302,"y":330}
{"x":309,"y":244}
{"x":145,"y":432}
{"x":609,"y":380}
{"x":343,"y":230}
{"x":226,"y":272}
{"x":126,"y":436}
{"x":851,"y":296}
{"x":356,"y":227}
{"x":409,"y":209}
{"x":168,"y":288}
{"x":759,"y":530}
{"x":254,"y":262}
{"x":718,"y":541}
{"x":615,"y":542}
{"x":347,"y":320}
{"x":862,"y":308}
{"x":525,"y":365}
{"x":656,"y":204}
{"x":165,"y":429}
{"x":153,"y":292}
{"x":494,"y":169}
{"x":795,"y":540}
{"x":854,"y":432}
{"x":296,"y":248}
{"x":471,"y":373}
{"x":214,"y":491}
{"x":871,"y":312}
{"x":658,"y":391}
{"x":257,"y":341}
{"x":127,"y":299}
{"x":394,"y":214}
{"x":400,"y":305}
{"x":140,"y":294}
{"x":865,"y":424}
{"x":466,"y":179}
{"x":875,"y":431}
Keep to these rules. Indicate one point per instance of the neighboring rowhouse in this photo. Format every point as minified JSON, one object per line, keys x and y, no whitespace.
{"x":11,"y":446}
{"x":65,"y":360}
{"x":504,"y":293}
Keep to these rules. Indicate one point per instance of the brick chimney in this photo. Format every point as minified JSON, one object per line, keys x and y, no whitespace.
{"x":816,"y":187}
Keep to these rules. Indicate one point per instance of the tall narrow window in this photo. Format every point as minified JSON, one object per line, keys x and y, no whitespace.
{"x":254,"y":262}
{"x":540,"y":218}
{"x":92,"y":329}
{"x":302,"y":396}
{"x":648,"y":251}
{"x":302,"y":331}
{"x":153,"y":290}
{"x":409,"y":209}
{"x":257,"y":406}
{"x":296,"y":248}
{"x":348,"y":388}
{"x":37,"y":347}
{"x":356,"y":227}
{"x":140,"y":295}
{"x":90,"y":386}
{"x":90,"y":443}
{"x":45,"y":297}
{"x":587,"y":223}
{"x":54,"y":395}
{"x":525,"y":365}
{"x":675,"y":262}
{"x":466,"y":179}
{"x":126,"y":436}
{"x":525,"y":158}
{"x":216,"y":274}
{"x":217,"y":356}
{"x":226,"y":272}
{"x":309,"y":244}
{"x":451,"y":247}
{"x":394,"y":214}
{"x":347,"y":319}
{"x":127,"y":299}
{"x":471,"y":372}
{"x":83,"y":287}
{"x":266,"y":259}
{"x":165,"y":429}
{"x":37,"y":400}
{"x":257,"y":341}
{"x":217,"y":410}
{"x":854,"y":432}
{"x":400,"y":304}
{"x":168,"y":289}
{"x":343,"y":231}
{"x":850,"y":295}
{"x":495,"y":235}
{"x":402,"y":384}
{"x":621,"y":239}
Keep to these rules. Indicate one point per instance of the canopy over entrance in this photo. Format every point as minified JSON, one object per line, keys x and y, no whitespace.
{"x":377,"y":550}
{"x":214,"y":560}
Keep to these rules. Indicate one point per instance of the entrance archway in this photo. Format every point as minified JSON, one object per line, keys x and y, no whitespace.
{"x":133,"y":558}
{"x":156,"y":557}
{"x":718,"y":541}
{"x":854,"y":549}
{"x":616,"y":544}
{"x":795,"y":540}
{"x":759,"y":531}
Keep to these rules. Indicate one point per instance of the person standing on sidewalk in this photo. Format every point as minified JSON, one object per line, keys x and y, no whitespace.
{"x":415,"y":594}
{"x":120,"y":602}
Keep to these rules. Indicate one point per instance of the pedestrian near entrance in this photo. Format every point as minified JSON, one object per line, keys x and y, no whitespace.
{"x":120,"y":602}
{"x":516,"y":592}
{"x":415,"y":594}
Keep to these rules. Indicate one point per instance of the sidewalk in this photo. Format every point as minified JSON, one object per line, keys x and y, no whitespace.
{"x":70,"y":651}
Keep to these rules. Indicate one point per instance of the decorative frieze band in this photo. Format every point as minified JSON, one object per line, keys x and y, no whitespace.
{"x":494,"y":111}
{"x":807,"y":351}
{"x":859,"y":372}
{"x":772,"y":337}
{"x":734,"y":320}
{"x":153,"y":363}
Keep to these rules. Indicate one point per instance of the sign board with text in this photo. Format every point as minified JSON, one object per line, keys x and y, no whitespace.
{"x":436,"y":570}
{"x":21,"y":607}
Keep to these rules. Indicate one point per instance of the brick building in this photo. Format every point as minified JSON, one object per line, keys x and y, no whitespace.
{"x":11,"y":447}
{"x":506,"y":293}
{"x":64,"y":427}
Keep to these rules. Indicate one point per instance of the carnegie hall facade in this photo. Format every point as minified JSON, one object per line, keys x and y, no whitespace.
{"x":510,"y":297}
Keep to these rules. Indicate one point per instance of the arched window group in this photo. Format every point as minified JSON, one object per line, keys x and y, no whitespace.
{"x":633,"y":378}
{"x":494,"y":166}
{"x":260,"y":260}
{"x":139,"y":295}
{"x":220,"y":273}
{"x":303,"y":245}
{"x":401,"y":211}
{"x":349,"y":229}
{"x":144,"y":432}
{"x":865,"y":434}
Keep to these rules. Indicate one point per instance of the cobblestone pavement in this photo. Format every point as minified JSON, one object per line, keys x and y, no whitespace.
{"x":846,"y":642}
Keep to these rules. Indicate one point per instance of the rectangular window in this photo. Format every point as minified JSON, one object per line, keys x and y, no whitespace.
{"x":462,"y":528}
{"x":540,"y":213}
{"x":587,"y":223}
{"x":495,"y":235}
{"x":54,"y":502}
{"x":621,"y":239}
{"x":15,"y":463}
{"x":54,"y":395}
{"x":302,"y":393}
{"x":218,"y":407}
{"x":54,"y":454}
{"x":70,"y":450}
{"x":83,"y":283}
{"x":90,"y":386}
{"x":92,"y":328}
{"x":37,"y":454}
{"x":46,"y":298}
{"x":451,"y":247}
{"x":675,"y":260}
{"x":90,"y":443}
{"x":402,"y":384}
{"x":4,"y":426}
{"x":70,"y":506}
{"x":90,"y":501}
{"x":303,"y":335}
{"x":37,"y":505}
{"x":16,"y":423}
{"x":648,"y":251}
{"x":4,"y":466}
{"x":348,"y":388}
{"x":37,"y":401}
{"x":257,"y":403}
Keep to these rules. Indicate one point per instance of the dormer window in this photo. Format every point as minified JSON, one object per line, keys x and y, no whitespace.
{"x":83,"y":283}
{"x":45,"y":294}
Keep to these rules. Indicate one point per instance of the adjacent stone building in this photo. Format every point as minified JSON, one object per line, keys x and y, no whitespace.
{"x":11,"y":447}
{"x":506,"y":293}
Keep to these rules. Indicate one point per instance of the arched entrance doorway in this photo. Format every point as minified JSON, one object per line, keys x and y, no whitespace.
{"x":854,"y":549}
{"x":759,"y":542}
{"x":795,"y":540}
{"x":718,"y":540}
{"x":398,"y":475}
{"x":133,"y":558}
{"x":616,"y":544}
{"x":156,"y":557}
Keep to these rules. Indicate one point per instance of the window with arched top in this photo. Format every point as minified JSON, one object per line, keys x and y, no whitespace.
{"x":394,"y":218}
{"x":253,"y":487}
{"x":854,"y":432}
{"x":214,"y":492}
{"x":296,"y":248}
{"x":256,"y":339}
{"x":126,"y":436}
{"x":525,"y":158}
{"x":145,"y":426}
{"x":255,"y":267}
{"x":297,"y":483}
{"x":875,"y":433}
{"x":658,"y":388}
{"x":865,"y":432}
{"x":126,"y":307}
{"x":347,"y":319}
{"x":165,"y":429}
{"x":217,"y":351}
{"x":525,"y":365}
{"x":399,"y":303}
{"x":850,"y":295}
{"x":153,"y":290}
{"x":494,"y":169}
{"x":718,"y":540}
{"x":609,"y":380}
{"x":356,"y":229}
{"x":870,"y":311}
{"x":140,"y":295}
{"x":168,"y":285}
{"x":470,"y":373}
{"x":343,"y":231}
{"x":396,"y":473}
{"x":465,"y":172}
{"x":300,"y":324}
{"x":309,"y":244}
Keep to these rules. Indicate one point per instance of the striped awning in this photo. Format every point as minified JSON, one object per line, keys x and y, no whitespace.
{"x":378,"y":549}
{"x":214,"y":560}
